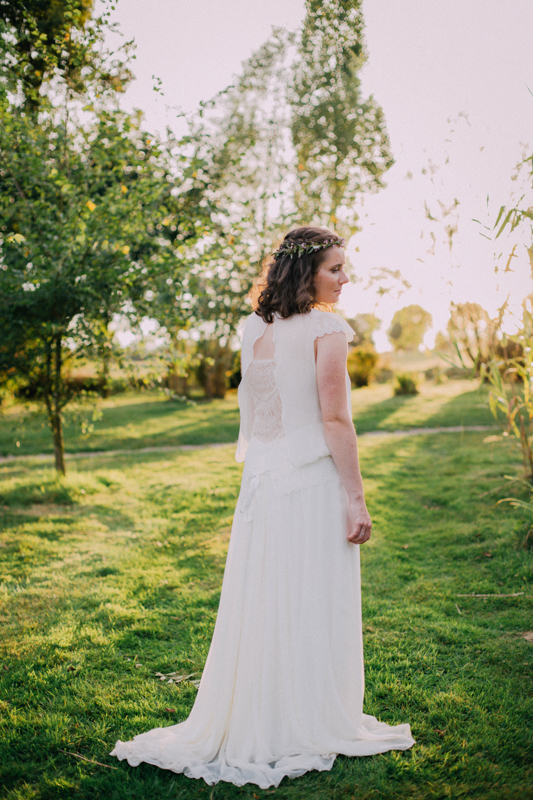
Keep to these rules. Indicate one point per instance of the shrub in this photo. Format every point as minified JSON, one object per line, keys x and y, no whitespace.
{"x":362,"y":364}
{"x":511,"y":400}
{"x":406,"y":383}
{"x":459,"y":373}
{"x":383,"y":375}
{"x":234,"y":374}
{"x":436,"y":374}
{"x":76,"y":385}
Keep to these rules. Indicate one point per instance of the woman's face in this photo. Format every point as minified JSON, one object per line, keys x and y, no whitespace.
{"x":330,"y":277}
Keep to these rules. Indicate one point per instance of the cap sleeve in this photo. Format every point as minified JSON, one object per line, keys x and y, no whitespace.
{"x":329,"y":322}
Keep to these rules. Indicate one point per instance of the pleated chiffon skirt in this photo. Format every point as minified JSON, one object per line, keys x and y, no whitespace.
{"x":282,"y":688}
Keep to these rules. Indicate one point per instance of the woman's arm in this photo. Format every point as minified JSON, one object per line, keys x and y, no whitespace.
{"x":331,"y":354}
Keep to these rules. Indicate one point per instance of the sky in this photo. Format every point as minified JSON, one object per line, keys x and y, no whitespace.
{"x":455,"y":81}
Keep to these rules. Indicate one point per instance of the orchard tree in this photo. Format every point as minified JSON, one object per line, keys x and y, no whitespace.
{"x":93,"y":223}
{"x":95,"y":216}
{"x":408,"y":327}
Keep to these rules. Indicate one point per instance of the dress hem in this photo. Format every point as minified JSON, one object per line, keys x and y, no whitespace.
{"x":264,"y":776}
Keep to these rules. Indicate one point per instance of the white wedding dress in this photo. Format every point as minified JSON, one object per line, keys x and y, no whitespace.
{"x":282,"y":688}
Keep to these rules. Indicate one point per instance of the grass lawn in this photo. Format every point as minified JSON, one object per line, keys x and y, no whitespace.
{"x":133,"y":421}
{"x":114,"y":574}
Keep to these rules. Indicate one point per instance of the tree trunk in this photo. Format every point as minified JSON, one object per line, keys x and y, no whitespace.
{"x":219,"y":379}
{"x":104,"y":374}
{"x":211,"y":373}
{"x":177,"y":383}
{"x":105,"y":357}
{"x":59,"y":448}
{"x":56,"y":422}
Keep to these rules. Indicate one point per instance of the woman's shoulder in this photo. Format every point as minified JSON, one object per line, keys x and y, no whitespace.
{"x":316,"y":322}
{"x":324,"y":322}
{"x":248,"y":323}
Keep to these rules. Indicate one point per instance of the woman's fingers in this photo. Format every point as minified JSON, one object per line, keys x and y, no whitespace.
{"x":361,"y":533}
{"x":361,"y":524}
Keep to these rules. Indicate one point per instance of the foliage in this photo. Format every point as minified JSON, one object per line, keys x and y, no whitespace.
{"x":362,"y":361}
{"x":95,"y":215}
{"x":473,"y":335}
{"x":511,"y":394}
{"x":408,"y":326}
{"x":242,"y":163}
{"x":510,"y":371}
{"x":364,"y":326}
{"x":520,"y":215}
{"x":140,"y":541}
{"x":235,"y":373}
{"x":93,"y":224}
{"x":405,"y":383}
{"x":437,"y":374}
{"x":45,"y":40}
{"x":241,"y":139}
{"x":290,"y":142}
{"x":214,"y":365}
{"x":340,"y":141}
{"x":526,"y":535}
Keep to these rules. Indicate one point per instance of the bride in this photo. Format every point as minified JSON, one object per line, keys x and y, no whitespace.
{"x":282,"y":688}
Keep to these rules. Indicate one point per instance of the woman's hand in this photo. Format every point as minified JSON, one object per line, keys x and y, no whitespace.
{"x":331,"y":354}
{"x":360,"y":524}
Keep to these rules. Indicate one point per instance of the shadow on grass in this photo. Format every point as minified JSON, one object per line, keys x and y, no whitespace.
{"x":468,"y":408}
{"x":39,"y":492}
{"x":376,"y":416}
{"x":130,"y":425}
{"x":29,"y":504}
{"x":114,"y":417}
{"x":410,"y":411}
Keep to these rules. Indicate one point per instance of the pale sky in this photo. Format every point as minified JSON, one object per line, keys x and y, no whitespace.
{"x":453,"y":80}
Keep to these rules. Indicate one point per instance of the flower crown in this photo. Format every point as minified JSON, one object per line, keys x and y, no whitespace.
{"x":300,"y":248}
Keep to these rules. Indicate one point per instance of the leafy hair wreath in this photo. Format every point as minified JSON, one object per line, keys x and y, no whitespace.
{"x":300,"y":248}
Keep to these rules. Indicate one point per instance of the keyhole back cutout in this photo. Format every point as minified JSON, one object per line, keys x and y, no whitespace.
{"x":264,"y":346}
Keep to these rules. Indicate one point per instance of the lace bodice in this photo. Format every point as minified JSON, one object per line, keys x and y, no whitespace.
{"x":302,"y":428}
{"x":267,"y":420}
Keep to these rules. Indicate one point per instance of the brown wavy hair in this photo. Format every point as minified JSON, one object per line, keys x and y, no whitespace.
{"x":287,"y":284}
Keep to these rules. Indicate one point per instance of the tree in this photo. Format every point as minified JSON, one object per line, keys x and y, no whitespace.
{"x":292,"y":141}
{"x":364,"y":326}
{"x":342,"y":147}
{"x":45,"y":40}
{"x":408,"y":327}
{"x":474,"y":335}
{"x":210,"y":299}
{"x":96,"y":215}
{"x":293,"y":138}
{"x":272,"y":162}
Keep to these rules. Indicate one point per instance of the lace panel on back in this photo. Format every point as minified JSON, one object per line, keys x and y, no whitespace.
{"x":267,"y":423}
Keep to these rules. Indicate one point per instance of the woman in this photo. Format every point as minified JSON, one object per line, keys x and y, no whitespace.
{"x":282,"y":688}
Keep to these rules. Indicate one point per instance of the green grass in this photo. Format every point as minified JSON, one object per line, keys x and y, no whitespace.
{"x":114,"y":574}
{"x":454,"y":403}
{"x":134,"y":421}
{"x":129,"y":421}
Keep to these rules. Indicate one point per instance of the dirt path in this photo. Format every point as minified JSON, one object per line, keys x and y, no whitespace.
{"x":174,"y":448}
